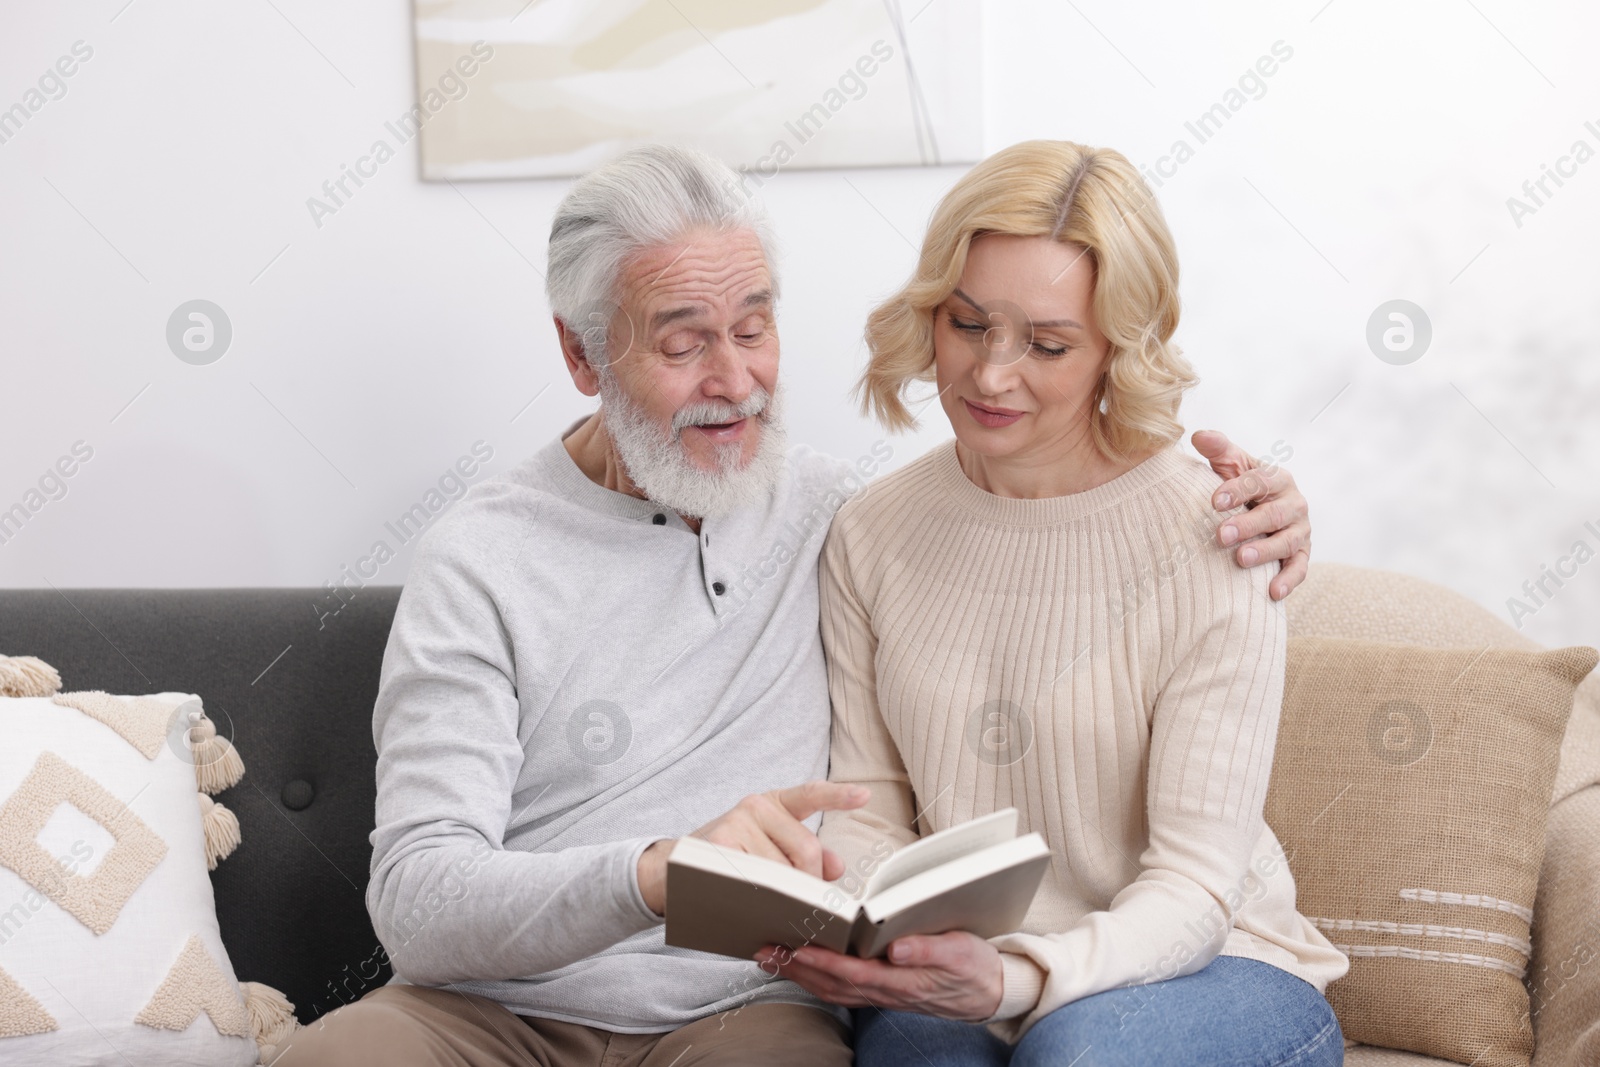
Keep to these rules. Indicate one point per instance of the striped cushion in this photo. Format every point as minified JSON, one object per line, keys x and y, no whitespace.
{"x":1410,"y":791}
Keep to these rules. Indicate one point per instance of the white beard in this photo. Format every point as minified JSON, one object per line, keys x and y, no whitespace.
{"x":657,"y":463}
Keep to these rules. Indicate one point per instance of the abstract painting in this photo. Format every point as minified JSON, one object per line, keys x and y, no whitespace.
{"x":544,"y":88}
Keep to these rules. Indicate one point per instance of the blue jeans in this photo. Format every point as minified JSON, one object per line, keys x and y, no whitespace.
{"x":1234,"y":1011}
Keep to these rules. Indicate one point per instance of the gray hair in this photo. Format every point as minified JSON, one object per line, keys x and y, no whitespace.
{"x":650,"y":195}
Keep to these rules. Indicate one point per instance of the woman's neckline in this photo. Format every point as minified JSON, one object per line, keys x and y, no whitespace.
{"x":1040,"y":511}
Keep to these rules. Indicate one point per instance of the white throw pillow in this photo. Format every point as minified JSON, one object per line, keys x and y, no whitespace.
{"x":109,"y":947}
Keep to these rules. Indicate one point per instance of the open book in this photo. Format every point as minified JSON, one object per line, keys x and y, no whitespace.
{"x":979,"y":876}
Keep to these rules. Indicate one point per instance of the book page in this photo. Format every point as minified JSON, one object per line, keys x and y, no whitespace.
{"x":942,"y":847}
{"x":986,"y":894}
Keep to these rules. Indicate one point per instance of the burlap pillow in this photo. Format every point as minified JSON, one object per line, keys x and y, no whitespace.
{"x":1410,"y":789}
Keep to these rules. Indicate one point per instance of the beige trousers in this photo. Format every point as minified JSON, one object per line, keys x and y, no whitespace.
{"x":417,"y":1026}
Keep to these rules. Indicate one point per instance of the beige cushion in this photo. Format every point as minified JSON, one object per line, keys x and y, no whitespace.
{"x":1410,"y":790}
{"x":1338,"y":600}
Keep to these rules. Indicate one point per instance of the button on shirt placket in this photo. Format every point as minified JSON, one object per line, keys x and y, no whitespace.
{"x":716,"y":588}
{"x":708,"y":567}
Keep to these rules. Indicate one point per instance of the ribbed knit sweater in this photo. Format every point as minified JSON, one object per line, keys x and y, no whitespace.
{"x":1097,"y":661}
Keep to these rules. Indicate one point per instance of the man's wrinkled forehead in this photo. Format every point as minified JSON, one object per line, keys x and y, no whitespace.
{"x":760,"y":300}
{"x":700,"y":275}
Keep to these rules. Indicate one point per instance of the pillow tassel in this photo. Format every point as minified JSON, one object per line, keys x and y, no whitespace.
{"x":27,"y":676}
{"x":271,"y":1017}
{"x":216,"y":762}
{"x":221,"y":828}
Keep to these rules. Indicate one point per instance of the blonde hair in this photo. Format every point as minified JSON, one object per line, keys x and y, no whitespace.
{"x":1068,"y":192}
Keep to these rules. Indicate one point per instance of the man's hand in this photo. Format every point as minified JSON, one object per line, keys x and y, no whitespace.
{"x":954,"y":976}
{"x":1277,"y":526}
{"x":767,"y":825}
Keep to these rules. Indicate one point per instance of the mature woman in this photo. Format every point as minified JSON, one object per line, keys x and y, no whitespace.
{"x":1036,"y":615}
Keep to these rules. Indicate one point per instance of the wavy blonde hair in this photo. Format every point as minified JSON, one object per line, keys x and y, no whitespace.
{"x":1092,"y":197}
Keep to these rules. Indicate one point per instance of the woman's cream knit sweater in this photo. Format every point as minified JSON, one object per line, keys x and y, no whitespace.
{"x":1097,"y":662}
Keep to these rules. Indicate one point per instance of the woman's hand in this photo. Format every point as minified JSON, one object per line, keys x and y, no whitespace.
{"x":1278,"y":524}
{"x":954,"y":976}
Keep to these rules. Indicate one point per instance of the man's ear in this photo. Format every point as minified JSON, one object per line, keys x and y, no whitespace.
{"x":583,"y":374}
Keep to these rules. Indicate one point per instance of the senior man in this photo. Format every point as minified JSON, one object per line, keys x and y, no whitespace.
{"x":613,"y":645}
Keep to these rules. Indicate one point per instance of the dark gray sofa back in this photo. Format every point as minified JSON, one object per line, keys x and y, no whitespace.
{"x":291,"y":898}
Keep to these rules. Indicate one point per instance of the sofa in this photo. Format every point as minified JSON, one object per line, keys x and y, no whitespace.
{"x":290,"y":898}
{"x":294,"y":687}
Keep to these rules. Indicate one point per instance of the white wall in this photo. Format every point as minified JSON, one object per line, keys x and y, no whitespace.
{"x":373,"y":352}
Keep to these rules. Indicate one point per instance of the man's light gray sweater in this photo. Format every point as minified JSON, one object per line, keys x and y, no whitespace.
{"x":572,"y":674}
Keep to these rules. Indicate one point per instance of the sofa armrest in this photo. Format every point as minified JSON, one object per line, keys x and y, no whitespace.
{"x":1580,"y":749}
{"x":1564,"y":973}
